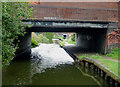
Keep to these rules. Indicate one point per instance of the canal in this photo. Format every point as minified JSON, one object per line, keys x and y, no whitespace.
{"x":49,"y":65}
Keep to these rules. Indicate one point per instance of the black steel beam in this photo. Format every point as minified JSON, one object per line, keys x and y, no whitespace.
{"x":65,"y":29}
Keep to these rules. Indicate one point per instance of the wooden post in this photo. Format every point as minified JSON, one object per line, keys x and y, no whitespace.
{"x":94,"y":67}
{"x":99,"y":72}
{"x":103,"y":74}
{"x":97,"y":69}
{"x":89,"y":64}
{"x":118,"y":84}
{"x":113,"y":83}
{"x":108,"y":79}
{"x":84,"y":63}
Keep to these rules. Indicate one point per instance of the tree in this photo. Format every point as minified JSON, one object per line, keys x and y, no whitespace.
{"x":12,"y":27}
{"x":73,"y":37}
{"x":50,"y":36}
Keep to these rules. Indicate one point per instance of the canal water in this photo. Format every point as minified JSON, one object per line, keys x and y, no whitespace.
{"x":49,"y":65}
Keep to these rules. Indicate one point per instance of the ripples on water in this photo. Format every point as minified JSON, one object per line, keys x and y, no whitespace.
{"x":50,"y":56}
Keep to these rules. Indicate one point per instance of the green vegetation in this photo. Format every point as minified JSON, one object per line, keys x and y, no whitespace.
{"x":42,"y":38}
{"x":72,"y":39}
{"x":34,"y":43}
{"x":0,"y":40}
{"x":12,"y":27}
{"x":111,"y":65}
{"x":38,"y":39}
{"x":83,"y":56}
{"x":114,"y":54}
{"x":0,"y":44}
{"x":58,"y":37}
{"x":62,"y":43}
{"x":95,"y":56}
{"x":50,"y":36}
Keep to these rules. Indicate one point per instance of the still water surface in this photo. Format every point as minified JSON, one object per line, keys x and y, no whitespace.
{"x":49,"y":65}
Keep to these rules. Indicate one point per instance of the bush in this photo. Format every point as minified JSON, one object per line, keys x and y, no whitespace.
{"x":71,"y":41}
{"x":83,"y":56}
{"x":38,"y":39}
{"x":42,"y":39}
{"x":62,"y":43}
{"x":50,"y":36}
{"x":12,"y":27}
{"x":114,"y":54}
{"x":34,"y":43}
{"x":73,"y":37}
{"x":96,"y":56}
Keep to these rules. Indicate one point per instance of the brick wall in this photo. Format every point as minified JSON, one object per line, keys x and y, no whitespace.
{"x":113,"y":39}
{"x":77,"y":11}
{"x":106,"y":5}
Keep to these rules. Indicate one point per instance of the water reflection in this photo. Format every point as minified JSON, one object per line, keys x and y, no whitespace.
{"x":62,"y":75}
{"x":18,"y":73}
{"x":49,"y":65}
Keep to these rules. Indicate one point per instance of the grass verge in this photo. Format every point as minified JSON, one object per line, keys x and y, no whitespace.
{"x":111,"y":65}
{"x":71,"y":41}
{"x":114,"y":54}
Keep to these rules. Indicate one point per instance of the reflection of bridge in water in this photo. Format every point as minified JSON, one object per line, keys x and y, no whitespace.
{"x":90,"y":21}
{"x":87,"y":71}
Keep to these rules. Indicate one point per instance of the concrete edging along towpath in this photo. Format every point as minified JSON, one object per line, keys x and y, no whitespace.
{"x":102,"y":67}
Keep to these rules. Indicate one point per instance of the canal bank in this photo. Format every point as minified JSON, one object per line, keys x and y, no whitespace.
{"x":95,"y":65}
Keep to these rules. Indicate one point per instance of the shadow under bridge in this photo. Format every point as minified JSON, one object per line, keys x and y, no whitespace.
{"x":90,"y":35}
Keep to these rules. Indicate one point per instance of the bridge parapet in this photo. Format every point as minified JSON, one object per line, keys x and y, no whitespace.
{"x":54,"y":12}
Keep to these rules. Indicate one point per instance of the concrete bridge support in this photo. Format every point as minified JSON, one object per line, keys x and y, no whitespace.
{"x":92,"y":40}
{"x":24,"y":49}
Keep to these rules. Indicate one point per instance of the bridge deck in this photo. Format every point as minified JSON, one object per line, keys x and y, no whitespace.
{"x":67,"y":25}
